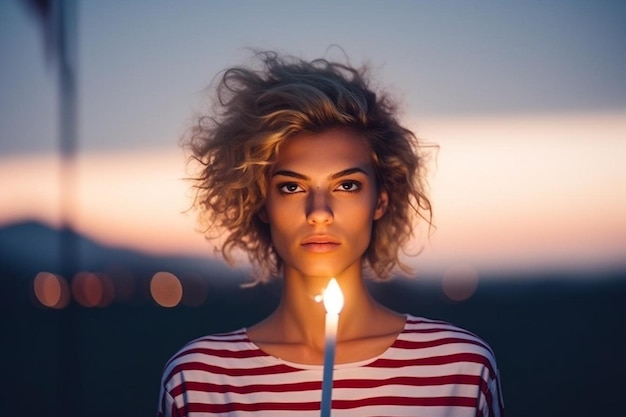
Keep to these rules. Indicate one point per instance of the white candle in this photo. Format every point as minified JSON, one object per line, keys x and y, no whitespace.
{"x":333,"y":303}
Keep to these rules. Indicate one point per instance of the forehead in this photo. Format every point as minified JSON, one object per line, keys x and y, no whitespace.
{"x":332,"y":149}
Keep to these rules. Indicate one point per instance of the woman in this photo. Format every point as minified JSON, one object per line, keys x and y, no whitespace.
{"x":305,"y":168}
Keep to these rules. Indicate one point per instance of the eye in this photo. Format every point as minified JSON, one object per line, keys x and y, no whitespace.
{"x":289,"y":188}
{"x":349,"y":186}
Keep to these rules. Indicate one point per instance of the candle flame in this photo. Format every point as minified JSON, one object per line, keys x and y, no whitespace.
{"x":333,"y":297}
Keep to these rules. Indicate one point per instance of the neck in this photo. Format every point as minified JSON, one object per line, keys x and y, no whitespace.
{"x":295,"y":330}
{"x":301,"y":313}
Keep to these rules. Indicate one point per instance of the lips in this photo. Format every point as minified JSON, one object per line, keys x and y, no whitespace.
{"x":320,"y":243}
{"x":316,"y":239}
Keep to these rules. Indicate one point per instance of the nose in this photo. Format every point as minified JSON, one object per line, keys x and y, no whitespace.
{"x":319,"y":210}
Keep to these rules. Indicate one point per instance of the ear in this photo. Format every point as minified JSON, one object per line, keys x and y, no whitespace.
{"x":381,"y":204}
{"x":262,"y":213}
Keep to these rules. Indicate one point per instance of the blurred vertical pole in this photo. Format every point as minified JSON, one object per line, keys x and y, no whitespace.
{"x":59,"y":23}
{"x":67,"y":60}
{"x":68,"y":124}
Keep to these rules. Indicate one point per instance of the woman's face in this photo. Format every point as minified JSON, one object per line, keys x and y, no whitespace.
{"x":321,"y":201}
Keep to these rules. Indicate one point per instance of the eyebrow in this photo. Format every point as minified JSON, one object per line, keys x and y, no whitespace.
{"x":343,"y":173}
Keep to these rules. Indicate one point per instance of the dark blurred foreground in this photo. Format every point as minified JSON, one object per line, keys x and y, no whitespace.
{"x":558,"y":340}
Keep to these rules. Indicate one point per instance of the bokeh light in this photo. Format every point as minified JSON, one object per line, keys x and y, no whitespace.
{"x":460,"y":282}
{"x":87,"y":289}
{"x":51,"y":290}
{"x":108,"y":289}
{"x":166,"y":289}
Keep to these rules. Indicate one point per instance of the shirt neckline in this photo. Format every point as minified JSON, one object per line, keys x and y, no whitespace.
{"x":348,"y":365}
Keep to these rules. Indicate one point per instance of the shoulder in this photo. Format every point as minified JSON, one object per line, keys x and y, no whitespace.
{"x":210,"y":354}
{"x":214,"y":343}
{"x":444,"y":342}
{"x":420,"y":328}
{"x":455,"y":354}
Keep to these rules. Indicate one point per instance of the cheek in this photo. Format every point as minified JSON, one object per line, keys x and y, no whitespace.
{"x":359,"y":221}
{"x":278,"y":213}
{"x":272,"y":210}
{"x":281,"y":227}
{"x":362,"y":212}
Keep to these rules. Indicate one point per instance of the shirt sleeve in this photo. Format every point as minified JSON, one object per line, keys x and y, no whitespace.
{"x":167,"y":407}
{"x":494,"y":406}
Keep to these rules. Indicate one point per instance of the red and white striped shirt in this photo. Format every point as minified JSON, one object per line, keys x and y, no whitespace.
{"x":432,"y":369}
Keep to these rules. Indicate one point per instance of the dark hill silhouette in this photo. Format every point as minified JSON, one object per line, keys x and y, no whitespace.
{"x":31,"y":246}
{"x":558,"y":338}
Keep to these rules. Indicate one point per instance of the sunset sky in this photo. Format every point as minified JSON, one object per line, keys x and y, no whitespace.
{"x":526,"y":101}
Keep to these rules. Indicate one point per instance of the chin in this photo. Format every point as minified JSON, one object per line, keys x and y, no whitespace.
{"x":317,"y":273}
{"x":325,"y":270}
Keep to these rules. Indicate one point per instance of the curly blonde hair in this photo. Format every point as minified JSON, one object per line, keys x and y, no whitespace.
{"x":256,"y":110}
